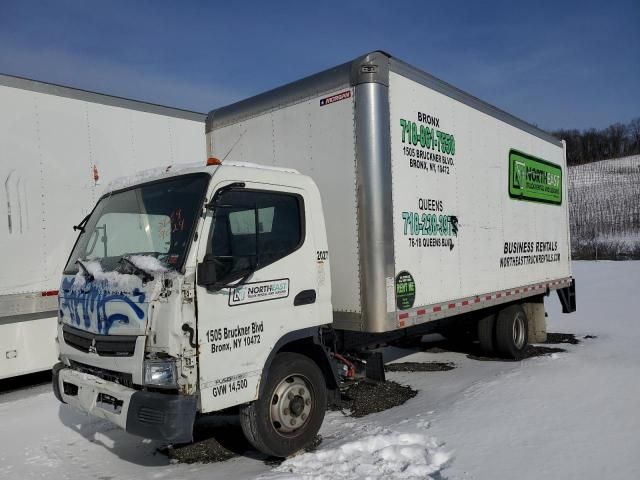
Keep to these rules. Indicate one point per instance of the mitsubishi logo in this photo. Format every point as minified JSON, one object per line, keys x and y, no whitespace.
{"x":92,"y":347}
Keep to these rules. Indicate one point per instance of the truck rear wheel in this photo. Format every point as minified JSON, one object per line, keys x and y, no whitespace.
{"x":511,"y":332}
{"x":289,"y":413}
{"x":486,"y":334}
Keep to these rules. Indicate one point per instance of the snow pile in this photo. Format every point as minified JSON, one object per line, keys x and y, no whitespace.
{"x":392,"y":455}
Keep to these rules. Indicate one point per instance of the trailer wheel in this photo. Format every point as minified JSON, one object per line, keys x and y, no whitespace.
{"x":486,"y":334}
{"x":289,"y":413}
{"x":511,"y":332}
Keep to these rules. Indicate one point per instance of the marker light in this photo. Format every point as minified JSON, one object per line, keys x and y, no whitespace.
{"x":213,"y":161}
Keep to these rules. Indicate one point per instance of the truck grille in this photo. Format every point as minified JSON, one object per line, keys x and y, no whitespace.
{"x":150,"y":415}
{"x":104,"y":345}
{"x":124,"y":379}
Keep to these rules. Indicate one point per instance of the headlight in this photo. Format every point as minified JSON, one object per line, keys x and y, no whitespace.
{"x":160,"y":373}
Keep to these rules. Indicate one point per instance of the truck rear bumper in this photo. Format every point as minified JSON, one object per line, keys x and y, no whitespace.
{"x":154,"y":415}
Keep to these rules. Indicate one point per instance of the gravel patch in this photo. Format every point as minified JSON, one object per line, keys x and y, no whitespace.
{"x":364,"y":397}
{"x":420,"y":367}
{"x":216,"y":438}
{"x":205,"y":451}
{"x":530,"y":352}
{"x":562,"y":338}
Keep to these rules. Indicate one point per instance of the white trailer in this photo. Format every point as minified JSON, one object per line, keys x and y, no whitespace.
{"x":388,"y":205}
{"x":59,"y":147}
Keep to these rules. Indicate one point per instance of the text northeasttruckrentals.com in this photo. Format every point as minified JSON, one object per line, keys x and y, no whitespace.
{"x":529,"y":253}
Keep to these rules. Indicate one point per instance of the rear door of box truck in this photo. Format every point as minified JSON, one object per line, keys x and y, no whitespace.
{"x":479,"y":204}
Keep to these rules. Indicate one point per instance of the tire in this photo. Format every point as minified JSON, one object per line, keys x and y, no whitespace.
{"x":290,"y":411}
{"x":511,"y":332}
{"x":486,"y":334}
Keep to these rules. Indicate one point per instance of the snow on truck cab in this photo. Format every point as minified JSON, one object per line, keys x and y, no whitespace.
{"x":194,"y":289}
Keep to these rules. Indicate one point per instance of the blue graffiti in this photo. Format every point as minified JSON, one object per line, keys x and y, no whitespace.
{"x":92,"y":300}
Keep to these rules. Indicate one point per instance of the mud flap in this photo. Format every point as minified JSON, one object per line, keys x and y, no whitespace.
{"x":375,"y":367}
{"x":567,"y":296}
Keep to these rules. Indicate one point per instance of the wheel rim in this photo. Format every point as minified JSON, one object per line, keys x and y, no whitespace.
{"x":291,"y":404}
{"x":518,"y":332}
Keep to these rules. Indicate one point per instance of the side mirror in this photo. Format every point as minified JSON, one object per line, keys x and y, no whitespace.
{"x":206,"y":274}
{"x":216,"y":272}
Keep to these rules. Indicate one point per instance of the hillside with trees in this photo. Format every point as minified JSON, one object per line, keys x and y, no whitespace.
{"x":615,"y":141}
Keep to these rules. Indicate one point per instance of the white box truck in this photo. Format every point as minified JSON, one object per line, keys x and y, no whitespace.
{"x":59,"y":148}
{"x":388,"y":204}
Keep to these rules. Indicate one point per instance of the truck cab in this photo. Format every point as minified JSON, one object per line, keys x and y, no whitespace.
{"x":192,"y":290}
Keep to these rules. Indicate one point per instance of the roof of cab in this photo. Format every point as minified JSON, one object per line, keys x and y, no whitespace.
{"x":167,"y":171}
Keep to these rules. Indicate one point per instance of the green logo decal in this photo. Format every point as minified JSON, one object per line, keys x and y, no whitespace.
{"x":534,"y":179}
{"x":405,"y":290}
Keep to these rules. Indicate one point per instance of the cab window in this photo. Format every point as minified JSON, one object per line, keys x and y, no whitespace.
{"x":252,"y":229}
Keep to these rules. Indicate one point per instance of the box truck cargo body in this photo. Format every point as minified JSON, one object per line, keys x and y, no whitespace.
{"x":436,"y":203}
{"x":60,"y":147}
{"x":366,"y":205}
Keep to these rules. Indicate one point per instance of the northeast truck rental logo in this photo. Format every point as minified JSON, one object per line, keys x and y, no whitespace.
{"x":534,"y":179}
{"x":259,"y":292}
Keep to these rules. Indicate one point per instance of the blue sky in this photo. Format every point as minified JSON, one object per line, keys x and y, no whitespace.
{"x":573,"y":64}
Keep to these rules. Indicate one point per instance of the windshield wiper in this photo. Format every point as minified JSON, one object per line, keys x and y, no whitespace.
{"x":82,"y":223}
{"x":86,"y":273}
{"x":146,"y":276}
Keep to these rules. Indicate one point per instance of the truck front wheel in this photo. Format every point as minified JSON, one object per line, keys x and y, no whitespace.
{"x":290,"y":411}
{"x":511,"y":332}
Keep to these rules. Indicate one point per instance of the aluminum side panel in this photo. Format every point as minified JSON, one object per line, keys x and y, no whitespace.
{"x":319,"y":141}
{"x":375,"y":212}
{"x":472,"y":185}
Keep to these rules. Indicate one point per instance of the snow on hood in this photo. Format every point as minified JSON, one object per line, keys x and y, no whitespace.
{"x":111,"y":281}
{"x":117,"y":281}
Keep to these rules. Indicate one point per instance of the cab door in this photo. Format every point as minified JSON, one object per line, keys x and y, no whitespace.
{"x":256,"y":281}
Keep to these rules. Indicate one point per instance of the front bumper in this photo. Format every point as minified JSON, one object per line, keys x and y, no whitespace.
{"x":160,"y":416}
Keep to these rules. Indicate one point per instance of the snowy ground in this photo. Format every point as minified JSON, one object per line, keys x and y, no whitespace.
{"x":570,"y":415}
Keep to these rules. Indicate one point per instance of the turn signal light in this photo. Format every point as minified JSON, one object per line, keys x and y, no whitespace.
{"x":213,"y":161}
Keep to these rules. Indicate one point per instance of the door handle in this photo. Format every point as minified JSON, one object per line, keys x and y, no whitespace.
{"x":305,"y":297}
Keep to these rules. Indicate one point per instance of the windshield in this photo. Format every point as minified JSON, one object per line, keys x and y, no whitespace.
{"x":156,"y":219}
